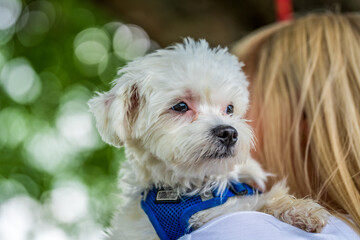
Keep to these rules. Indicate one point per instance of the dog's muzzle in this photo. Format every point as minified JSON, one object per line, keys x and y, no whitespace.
{"x":224,"y":138}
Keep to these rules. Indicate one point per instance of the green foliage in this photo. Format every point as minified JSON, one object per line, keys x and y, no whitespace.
{"x":53,"y":56}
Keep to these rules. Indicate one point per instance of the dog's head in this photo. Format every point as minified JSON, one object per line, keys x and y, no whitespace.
{"x":184,"y":105}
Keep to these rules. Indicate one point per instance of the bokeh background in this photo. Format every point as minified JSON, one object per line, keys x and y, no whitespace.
{"x":57,"y":178}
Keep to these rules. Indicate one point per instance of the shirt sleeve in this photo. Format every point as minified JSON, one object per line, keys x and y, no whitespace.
{"x":256,"y":225}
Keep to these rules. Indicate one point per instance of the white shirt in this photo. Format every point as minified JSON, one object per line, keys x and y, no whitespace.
{"x":256,"y":225}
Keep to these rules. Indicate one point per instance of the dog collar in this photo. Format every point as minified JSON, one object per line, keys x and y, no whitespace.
{"x":169,"y":213}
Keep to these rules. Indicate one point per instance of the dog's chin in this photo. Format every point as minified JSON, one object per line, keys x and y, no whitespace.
{"x":219,"y":164}
{"x":212,"y":163}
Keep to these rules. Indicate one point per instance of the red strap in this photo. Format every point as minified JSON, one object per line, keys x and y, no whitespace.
{"x":284,"y":10}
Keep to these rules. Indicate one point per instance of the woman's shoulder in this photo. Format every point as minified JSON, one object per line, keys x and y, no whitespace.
{"x":257,"y":225}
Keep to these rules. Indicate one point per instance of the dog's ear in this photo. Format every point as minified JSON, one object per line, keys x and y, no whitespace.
{"x":115,"y":112}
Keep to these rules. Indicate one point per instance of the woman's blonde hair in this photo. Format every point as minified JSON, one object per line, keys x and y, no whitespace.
{"x":305,"y":88}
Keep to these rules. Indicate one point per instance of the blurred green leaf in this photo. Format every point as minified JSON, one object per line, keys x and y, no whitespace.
{"x":53,"y":56}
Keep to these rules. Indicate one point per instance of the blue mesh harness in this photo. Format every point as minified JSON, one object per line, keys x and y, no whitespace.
{"x":170,"y":214}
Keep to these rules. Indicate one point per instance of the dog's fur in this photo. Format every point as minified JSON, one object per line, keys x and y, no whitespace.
{"x":166,"y":148}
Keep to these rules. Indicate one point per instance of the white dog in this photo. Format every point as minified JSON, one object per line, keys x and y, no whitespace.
{"x":179,"y":112}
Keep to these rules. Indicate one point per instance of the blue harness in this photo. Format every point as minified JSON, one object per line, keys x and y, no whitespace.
{"x":170,"y":214}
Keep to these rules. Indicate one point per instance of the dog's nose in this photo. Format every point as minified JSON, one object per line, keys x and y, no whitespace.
{"x":226,"y":134}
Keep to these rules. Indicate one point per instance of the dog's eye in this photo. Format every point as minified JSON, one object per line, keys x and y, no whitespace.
{"x":229,"y":109}
{"x":180,"y":107}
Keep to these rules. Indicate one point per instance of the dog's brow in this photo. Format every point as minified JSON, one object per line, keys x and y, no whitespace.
{"x":189,"y":92}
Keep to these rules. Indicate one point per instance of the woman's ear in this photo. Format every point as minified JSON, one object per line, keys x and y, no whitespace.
{"x":115,"y":112}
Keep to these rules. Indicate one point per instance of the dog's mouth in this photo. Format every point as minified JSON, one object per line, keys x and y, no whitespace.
{"x":219,"y":152}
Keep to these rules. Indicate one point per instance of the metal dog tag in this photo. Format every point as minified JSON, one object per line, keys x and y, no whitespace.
{"x":167,"y":196}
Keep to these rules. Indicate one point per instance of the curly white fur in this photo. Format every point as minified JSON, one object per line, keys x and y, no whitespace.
{"x":166,"y":148}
